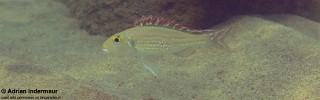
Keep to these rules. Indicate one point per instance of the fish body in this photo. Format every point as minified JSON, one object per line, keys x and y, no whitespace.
{"x":153,"y":40}
{"x":159,"y":36}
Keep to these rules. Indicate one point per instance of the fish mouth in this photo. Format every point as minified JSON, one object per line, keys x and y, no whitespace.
{"x":105,"y":50}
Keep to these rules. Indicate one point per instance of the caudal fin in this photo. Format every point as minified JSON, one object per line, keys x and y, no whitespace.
{"x":216,"y":38}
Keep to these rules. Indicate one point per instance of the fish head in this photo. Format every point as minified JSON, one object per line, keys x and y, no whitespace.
{"x":118,"y":44}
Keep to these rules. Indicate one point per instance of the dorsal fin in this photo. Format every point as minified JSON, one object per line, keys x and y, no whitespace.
{"x":165,"y":22}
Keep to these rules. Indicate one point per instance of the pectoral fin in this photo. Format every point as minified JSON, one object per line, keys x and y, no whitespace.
{"x":185,"y":52}
{"x":148,"y":64}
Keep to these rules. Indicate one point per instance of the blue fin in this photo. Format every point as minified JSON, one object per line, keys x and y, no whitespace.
{"x":149,"y":65}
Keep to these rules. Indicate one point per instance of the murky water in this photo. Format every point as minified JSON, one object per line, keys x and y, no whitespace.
{"x":43,"y":49}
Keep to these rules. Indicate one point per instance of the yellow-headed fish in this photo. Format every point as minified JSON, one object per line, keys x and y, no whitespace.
{"x":153,"y":36}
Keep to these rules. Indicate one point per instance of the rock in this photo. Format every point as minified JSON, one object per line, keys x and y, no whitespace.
{"x":272,"y":57}
{"x":309,"y":9}
{"x":33,"y":35}
{"x":24,"y":76}
{"x":267,"y":61}
{"x":297,"y":23}
{"x":107,"y":17}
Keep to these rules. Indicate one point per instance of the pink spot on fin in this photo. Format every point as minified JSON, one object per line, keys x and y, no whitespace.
{"x":165,"y":22}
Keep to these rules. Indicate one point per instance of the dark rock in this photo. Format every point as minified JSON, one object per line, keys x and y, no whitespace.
{"x":107,"y":17}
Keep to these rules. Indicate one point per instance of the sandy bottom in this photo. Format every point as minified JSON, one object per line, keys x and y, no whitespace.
{"x":42,"y":47}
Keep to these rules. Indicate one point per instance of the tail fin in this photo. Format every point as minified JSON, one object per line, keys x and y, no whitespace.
{"x":216,"y":38}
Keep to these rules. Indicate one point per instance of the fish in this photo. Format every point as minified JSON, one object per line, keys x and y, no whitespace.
{"x":154,"y":36}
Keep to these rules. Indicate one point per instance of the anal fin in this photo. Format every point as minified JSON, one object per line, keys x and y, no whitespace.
{"x":185,"y":52}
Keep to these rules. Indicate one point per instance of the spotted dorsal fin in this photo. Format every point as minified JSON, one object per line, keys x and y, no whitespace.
{"x":165,"y":22}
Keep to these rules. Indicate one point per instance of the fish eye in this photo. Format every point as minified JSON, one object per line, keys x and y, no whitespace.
{"x":116,"y":40}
